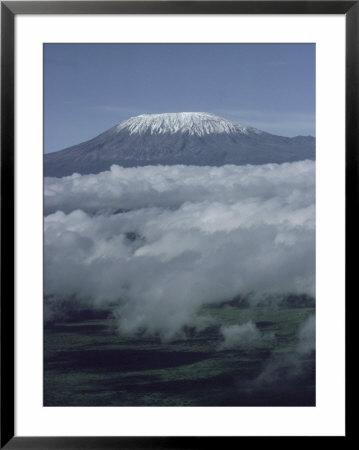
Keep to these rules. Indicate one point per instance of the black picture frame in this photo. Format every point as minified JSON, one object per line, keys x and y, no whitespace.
{"x":9,"y":9}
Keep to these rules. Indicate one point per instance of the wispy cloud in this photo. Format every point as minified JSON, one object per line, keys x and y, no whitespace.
{"x":287,"y":124}
{"x":118,"y":109}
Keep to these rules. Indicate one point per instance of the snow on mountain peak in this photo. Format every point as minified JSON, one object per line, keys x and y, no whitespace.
{"x":193,"y":123}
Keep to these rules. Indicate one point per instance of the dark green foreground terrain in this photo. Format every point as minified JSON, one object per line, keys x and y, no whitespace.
{"x":86,"y":363}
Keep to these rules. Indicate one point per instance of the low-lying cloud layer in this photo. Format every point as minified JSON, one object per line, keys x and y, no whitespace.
{"x":161,"y":242}
{"x":171,"y":186}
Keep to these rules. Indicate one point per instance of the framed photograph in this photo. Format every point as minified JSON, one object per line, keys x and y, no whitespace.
{"x":178,"y":187}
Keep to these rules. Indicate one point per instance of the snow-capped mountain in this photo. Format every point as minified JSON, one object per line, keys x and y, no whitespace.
{"x":193,"y":123}
{"x":177,"y":138}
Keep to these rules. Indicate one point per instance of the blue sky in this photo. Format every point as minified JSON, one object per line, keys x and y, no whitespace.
{"x":89,"y":88}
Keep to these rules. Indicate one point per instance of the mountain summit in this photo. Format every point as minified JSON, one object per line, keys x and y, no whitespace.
{"x":192,"y":123}
{"x":190,"y":138}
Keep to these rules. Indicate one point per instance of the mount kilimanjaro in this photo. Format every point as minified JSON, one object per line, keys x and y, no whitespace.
{"x":188,"y":138}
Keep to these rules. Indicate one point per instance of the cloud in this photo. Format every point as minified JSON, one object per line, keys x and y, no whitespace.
{"x":281,"y":123}
{"x":307,"y":336}
{"x":171,"y":186}
{"x":159,"y":243}
{"x":235,"y":336}
{"x":292,"y":364}
{"x":126,"y":111}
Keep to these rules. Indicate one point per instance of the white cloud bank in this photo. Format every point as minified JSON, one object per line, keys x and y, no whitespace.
{"x":170,"y":186}
{"x":188,"y":236}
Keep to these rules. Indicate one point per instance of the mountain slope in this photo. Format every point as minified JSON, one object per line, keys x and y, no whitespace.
{"x":177,"y":138}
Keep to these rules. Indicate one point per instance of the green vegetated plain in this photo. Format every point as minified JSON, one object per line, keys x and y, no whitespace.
{"x":87,"y":363}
